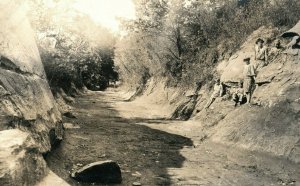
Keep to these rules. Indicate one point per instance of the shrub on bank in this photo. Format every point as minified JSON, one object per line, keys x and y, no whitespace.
{"x":184,"y":40}
{"x":76,"y":62}
{"x":76,"y":51}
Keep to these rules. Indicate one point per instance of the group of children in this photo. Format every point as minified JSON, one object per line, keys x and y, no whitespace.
{"x":243,"y":93}
{"x":238,"y":94}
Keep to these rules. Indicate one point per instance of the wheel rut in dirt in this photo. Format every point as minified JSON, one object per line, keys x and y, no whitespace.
{"x":157,"y":151}
{"x":144,"y":154}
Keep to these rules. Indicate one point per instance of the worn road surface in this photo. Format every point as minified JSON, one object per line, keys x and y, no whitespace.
{"x":156,"y":151}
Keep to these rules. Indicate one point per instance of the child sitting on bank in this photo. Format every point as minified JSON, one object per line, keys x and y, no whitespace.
{"x":238,"y":94}
{"x":217,"y":92}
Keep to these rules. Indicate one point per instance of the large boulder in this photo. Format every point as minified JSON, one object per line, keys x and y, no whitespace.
{"x":26,"y":102}
{"x":99,"y":172}
{"x":20,"y":160}
{"x":17,"y":41}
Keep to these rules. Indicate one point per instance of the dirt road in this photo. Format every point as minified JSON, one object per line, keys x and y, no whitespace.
{"x":157,"y":151}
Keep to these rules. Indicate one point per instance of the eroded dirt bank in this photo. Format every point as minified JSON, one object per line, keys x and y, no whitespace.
{"x":157,"y":151}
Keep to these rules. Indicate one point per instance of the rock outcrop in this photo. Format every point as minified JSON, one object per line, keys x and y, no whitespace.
{"x":295,"y":31}
{"x":21,"y":161}
{"x":99,"y":172}
{"x":28,"y":113}
{"x":272,"y":125}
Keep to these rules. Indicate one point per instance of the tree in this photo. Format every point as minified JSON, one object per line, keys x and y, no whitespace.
{"x":80,"y":52}
{"x":184,"y":40}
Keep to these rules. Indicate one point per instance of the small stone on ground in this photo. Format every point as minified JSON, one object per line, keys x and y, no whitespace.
{"x":70,"y":126}
{"x":69,"y":115}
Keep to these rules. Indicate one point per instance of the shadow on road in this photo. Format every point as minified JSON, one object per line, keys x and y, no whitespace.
{"x":144,"y":154}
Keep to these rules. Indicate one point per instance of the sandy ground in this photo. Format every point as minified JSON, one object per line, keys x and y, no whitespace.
{"x":155,"y":151}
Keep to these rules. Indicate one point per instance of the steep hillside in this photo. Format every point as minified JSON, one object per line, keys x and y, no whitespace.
{"x":30,"y":120}
{"x":271,"y":125}
{"x":183,"y":41}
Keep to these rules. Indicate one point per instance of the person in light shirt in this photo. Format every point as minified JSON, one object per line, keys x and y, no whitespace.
{"x":249,"y":79}
{"x":217,"y":92}
{"x":238,"y":94}
{"x":261,"y":54}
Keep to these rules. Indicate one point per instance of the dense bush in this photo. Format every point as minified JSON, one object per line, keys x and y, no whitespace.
{"x":184,"y":40}
{"x":76,"y":51}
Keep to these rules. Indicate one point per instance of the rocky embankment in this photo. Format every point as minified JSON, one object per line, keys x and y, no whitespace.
{"x":30,"y":121}
{"x":270,"y":126}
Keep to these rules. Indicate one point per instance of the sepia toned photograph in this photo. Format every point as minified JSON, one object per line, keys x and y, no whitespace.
{"x":149,"y":92}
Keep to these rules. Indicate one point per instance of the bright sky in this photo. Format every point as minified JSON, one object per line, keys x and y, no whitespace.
{"x":105,"y":12}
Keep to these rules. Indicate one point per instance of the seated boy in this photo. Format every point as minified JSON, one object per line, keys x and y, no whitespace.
{"x":217,"y":92}
{"x":238,"y":94}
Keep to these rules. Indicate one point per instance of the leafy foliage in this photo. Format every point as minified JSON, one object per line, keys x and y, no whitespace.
{"x":184,"y":40}
{"x":74,"y":49}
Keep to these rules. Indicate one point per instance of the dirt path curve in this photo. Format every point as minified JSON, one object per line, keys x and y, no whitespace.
{"x":158,"y":152}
